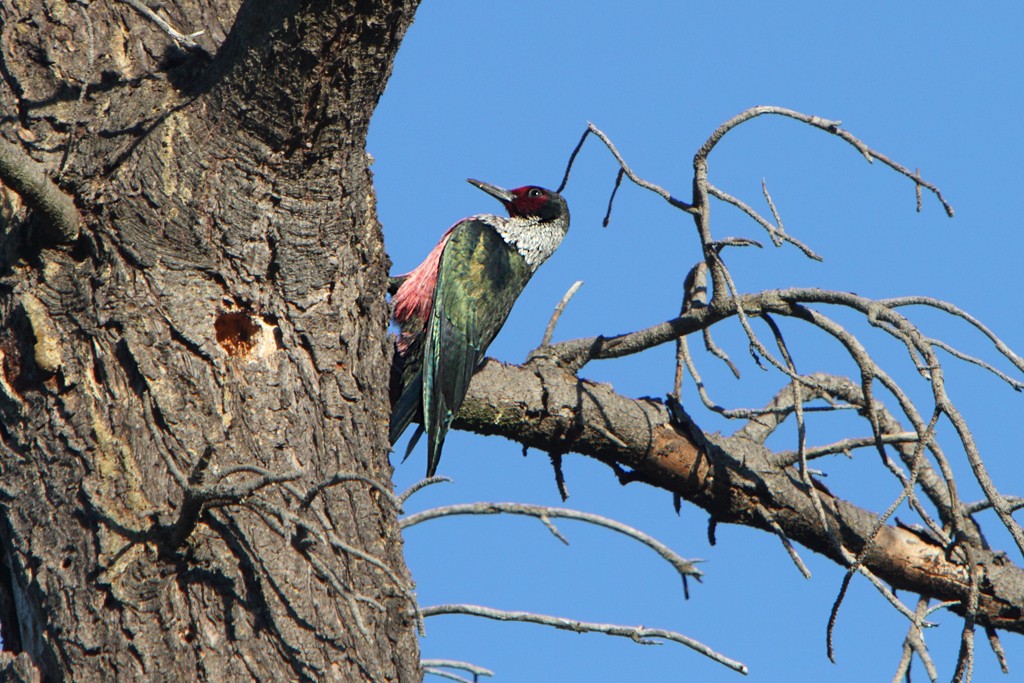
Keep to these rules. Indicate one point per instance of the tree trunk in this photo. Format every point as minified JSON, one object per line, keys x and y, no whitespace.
{"x":177,"y":382}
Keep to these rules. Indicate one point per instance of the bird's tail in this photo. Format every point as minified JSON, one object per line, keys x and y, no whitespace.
{"x":405,"y":409}
{"x":434,"y":444}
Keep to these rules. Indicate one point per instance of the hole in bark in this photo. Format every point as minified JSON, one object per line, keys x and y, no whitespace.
{"x":16,"y":359}
{"x":237,"y":332}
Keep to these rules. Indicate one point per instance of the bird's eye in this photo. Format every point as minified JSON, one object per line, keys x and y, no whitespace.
{"x":534,"y":192}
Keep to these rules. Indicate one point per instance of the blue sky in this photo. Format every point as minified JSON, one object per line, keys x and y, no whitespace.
{"x":501,"y":91}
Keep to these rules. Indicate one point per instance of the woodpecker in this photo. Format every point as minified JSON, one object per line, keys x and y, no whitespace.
{"x":451,"y":307}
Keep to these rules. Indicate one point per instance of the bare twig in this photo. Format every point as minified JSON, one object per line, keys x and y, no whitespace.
{"x":898,"y":302}
{"x":611,"y":198}
{"x":828,"y":126}
{"x":550,"y":330}
{"x":203,"y":497}
{"x":775,"y":212}
{"x":776,"y":234}
{"x":656,"y":189}
{"x":638,"y":634}
{"x":342,"y":477}
{"x":786,"y":458}
{"x":455,"y":664}
{"x":289,"y":522}
{"x":997,"y":648}
{"x":1013,"y":503}
{"x":421,"y":484}
{"x":913,"y":642}
{"x":833,"y":615}
{"x":965,"y":658}
{"x":684,"y":567}
{"x":178,"y":37}
{"x":563,"y":490}
{"x":790,"y":550}
{"x":572,"y":160}
{"x":441,"y":673}
{"x":1017,"y":385}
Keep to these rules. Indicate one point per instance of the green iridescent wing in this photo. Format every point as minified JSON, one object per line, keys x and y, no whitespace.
{"x":479,"y":279}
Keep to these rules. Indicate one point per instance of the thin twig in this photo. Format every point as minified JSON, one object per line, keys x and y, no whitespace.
{"x":638,"y":634}
{"x":1013,"y":503}
{"x":198,"y":498}
{"x":965,"y":658}
{"x":1017,"y":385}
{"x":683,"y":566}
{"x":179,"y":37}
{"x":421,"y":484}
{"x":637,"y":180}
{"x":997,"y":647}
{"x":828,"y":126}
{"x":441,"y":673}
{"x":833,"y":616}
{"x":572,"y":160}
{"x":342,"y":477}
{"x":787,"y":458}
{"x":775,"y":233}
{"x":897,"y":302}
{"x":326,"y":537}
{"x":793,"y":555}
{"x":456,"y":664}
{"x":549,"y":331}
{"x":775,"y":212}
{"x":611,"y":199}
{"x":913,"y":642}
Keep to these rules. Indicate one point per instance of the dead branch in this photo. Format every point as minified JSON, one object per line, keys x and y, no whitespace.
{"x":737,"y":479}
{"x":549,"y":331}
{"x":437,"y":666}
{"x":186,"y":41}
{"x":658,"y":190}
{"x":833,"y":127}
{"x":777,"y":234}
{"x":685,"y":568}
{"x":639,"y":634}
{"x":421,"y":484}
{"x":733,"y":478}
{"x":26,"y":177}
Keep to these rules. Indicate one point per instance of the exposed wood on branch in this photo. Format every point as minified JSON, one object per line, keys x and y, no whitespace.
{"x":734,"y":479}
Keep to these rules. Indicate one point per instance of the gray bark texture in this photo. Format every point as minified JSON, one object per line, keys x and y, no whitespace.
{"x":177,"y":381}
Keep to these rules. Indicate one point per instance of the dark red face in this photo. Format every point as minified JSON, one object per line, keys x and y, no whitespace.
{"x":530,"y":200}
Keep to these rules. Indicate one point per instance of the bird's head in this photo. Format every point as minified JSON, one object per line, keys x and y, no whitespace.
{"x":528,"y":201}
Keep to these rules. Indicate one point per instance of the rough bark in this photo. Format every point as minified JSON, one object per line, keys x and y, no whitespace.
{"x":224,"y":308}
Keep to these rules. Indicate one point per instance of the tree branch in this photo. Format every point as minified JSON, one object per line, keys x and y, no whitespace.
{"x":734,"y":479}
{"x":25,"y":176}
{"x":436,"y":666}
{"x":833,"y":127}
{"x":178,"y":37}
{"x":639,"y":634}
{"x":683,"y":566}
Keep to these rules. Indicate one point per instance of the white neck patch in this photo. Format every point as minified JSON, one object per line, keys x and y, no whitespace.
{"x":535,"y":240}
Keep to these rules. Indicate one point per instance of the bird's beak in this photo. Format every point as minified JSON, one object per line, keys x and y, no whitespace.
{"x":498,"y":193}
